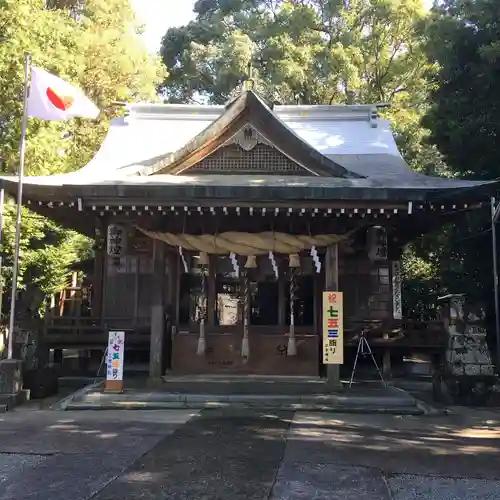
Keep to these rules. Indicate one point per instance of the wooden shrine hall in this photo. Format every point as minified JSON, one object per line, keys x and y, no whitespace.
{"x":217,"y":228}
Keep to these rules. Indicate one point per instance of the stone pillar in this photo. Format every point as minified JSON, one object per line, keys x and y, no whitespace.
{"x":11,"y":376}
{"x":157,"y":311}
{"x":332,"y":285}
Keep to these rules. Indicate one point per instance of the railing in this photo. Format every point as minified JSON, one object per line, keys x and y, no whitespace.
{"x":69,"y":331}
{"x":393,"y":333}
{"x":73,"y":331}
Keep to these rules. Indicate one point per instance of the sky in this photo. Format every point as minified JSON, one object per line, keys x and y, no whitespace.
{"x":159,"y":15}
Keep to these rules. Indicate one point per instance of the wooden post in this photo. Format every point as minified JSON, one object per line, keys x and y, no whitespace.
{"x":282,"y":299}
{"x":332,"y":285}
{"x":98,"y":283}
{"x":211,"y":290}
{"x":157,"y":310}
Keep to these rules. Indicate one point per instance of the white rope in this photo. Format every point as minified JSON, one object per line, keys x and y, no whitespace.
{"x":236,"y":266}
{"x":186,"y":270}
{"x":273,"y":264}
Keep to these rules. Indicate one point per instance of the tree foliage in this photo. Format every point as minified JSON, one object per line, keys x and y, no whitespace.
{"x":464,"y":40}
{"x":310,"y":52}
{"x":94,"y":45}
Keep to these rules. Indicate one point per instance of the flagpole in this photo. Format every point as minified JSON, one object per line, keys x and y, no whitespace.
{"x":22,"y":149}
{"x":2,"y":207}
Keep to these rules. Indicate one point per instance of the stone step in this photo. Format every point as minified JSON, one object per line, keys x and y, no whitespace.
{"x":262,"y":405}
{"x":401,"y":399}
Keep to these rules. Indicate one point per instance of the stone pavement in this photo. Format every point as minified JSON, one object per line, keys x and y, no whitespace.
{"x":233,"y":454}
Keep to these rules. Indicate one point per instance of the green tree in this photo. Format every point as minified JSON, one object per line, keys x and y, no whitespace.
{"x":463,"y":42}
{"x":322,"y":52}
{"x":94,"y":45}
{"x":310,"y":52}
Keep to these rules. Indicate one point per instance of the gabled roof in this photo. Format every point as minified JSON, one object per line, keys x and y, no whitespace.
{"x":349,"y":135}
{"x":247,"y":112}
{"x":147,"y":155}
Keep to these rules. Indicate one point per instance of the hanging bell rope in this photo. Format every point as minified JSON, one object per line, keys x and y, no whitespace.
{"x":202,"y":302}
{"x":245,"y":347}
{"x":294,"y":264}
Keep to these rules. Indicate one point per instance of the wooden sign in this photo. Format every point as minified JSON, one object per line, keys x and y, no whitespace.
{"x":114,"y":361}
{"x":116,"y":240}
{"x":333,"y":328}
{"x":376,"y":239}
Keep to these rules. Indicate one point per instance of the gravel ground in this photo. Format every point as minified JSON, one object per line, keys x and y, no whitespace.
{"x":410,"y":487}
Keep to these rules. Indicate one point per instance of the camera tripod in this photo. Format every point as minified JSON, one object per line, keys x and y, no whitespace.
{"x":364,"y":349}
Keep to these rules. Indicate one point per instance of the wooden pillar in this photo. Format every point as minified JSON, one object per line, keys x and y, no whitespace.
{"x":98,"y":283}
{"x":157,"y":310}
{"x":332,"y":285}
{"x":282,"y":321}
{"x":211,"y":290}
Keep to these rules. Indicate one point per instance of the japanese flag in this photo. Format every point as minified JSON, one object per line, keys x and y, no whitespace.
{"x":51,"y":98}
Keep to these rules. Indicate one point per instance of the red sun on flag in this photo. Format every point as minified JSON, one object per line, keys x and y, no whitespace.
{"x":62,"y":102}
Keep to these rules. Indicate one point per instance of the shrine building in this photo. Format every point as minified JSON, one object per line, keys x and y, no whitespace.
{"x":217,"y":228}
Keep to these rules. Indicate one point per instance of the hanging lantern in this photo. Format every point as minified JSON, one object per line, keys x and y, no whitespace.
{"x":376,"y":240}
{"x":251,"y":262}
{"x":203,"y":259}
{"x":294,"y":260}
{"x":116,"y":241}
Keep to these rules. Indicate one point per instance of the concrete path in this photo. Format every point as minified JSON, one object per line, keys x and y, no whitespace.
{"x":51,"y":455}
{"x":231,"y":454}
